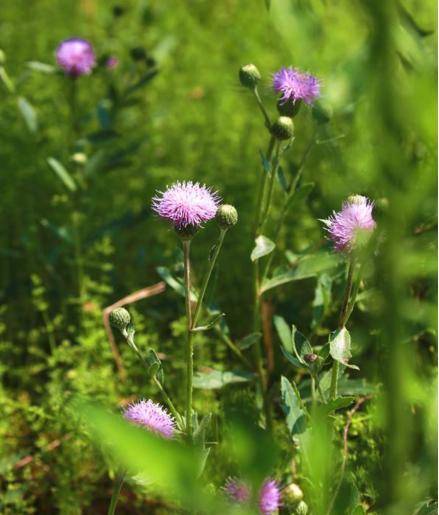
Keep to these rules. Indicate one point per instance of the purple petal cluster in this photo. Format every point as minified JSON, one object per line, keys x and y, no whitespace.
{"x":237,"y":490}
{"x":295,"y":85}
{"x":352,"y":225}
{"x":186,"y":204}
{"x":269,"y":498}
{"x":151,"y":416}
{"x":75,"y":56}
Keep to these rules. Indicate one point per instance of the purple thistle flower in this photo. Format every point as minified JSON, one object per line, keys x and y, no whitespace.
{"x":151,"y":416}
{"x":186,"y":204}
{"x":295,"y":85}
{"x":352,"y":225}
{"x":236,"y":490}
{"x":112,"y":62}
{"x":75,"y":56}
{"x":269,"y":497}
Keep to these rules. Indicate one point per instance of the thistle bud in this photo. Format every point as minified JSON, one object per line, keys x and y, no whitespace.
{"x":301,"y":508}
{"x":186,"y":232}
{"x":283,"y":128}
{"x":226,"y":216}
{"x":120,"y":319}
{"x":357,"y":199}
{"x":288,"y":107}
{"x":310,"y":358}
{"x":249,"y":76}
{"x":293,"y":493}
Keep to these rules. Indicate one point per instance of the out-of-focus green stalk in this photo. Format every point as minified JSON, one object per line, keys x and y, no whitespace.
{"x":116,"y":492}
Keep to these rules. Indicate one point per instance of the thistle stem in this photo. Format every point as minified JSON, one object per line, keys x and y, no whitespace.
{"x":116,"y":492}
{"x":262,"y":108}
{"x":262,"y":183}
{"x":189,"y":342}
{"x":271,"y":185}
{"x":168,"y":401}
{"x":207,"y":277}
{"x":343,"y":318}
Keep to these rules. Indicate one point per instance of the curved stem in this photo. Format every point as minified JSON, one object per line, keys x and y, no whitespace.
{"x":116,"y":492}
{"x":262,"y":108}
{"x":207,"y":277}
{"x":168,"y":402}
{"x":189,"y":342}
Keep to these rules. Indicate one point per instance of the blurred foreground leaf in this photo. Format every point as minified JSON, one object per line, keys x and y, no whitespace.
{"x":62,"y":173}
{"x":28,"y":113}
{"x":263,"y":246}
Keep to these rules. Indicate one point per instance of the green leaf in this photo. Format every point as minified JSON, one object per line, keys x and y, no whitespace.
{"x":301,"y":345}
{"x":284,"y":333}
{"x":303,"y":191}
{"x":266,"y":165}
{"x":174,"y":283}
{"x":249,"y":340}
{"x":154,"y":363}
{"x":282,"y":179}
{"x":340,"y":347}
{"x":215,"y":379}
{"x":149,"y":75}
{"x":41,"y":67}
{"x":322,"y":299}
{"x":28,"y":113}
{"x":212,"y":322}
{"x":306,"y":267}
{"x":341,"y":402}
{"x":291,"y":405}
{"x":263,"y":247}
{"x":62,"y":173}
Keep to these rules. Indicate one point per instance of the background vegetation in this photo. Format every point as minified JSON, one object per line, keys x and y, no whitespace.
{"x":78,"y":233}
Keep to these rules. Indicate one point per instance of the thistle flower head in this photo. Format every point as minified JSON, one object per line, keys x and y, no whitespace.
{"x":186,"y":204}
{"x":112,"y":62}
{"x":351,"y":227}
{"x":75,"y":56}
{"x":236,"y":490}
{"x":295,"y":85}
{"x":151,"y":416}
{"x":269,"y":497}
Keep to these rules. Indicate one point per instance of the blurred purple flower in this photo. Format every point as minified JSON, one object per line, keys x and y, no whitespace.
{"x":186,"y":204}
{"x":353,"y":225}
{"x":236,"y":490}
{"x":75,"y":56}
{"x":295,"y":85}
{"x":269,"y":497}
{"x":151,"y":416}
{"x":112,"y":62}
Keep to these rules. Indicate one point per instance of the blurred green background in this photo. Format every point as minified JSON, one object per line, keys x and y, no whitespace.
{"x":374,"y":134}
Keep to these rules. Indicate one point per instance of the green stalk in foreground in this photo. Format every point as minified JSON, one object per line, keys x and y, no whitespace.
{"x":189,"y":342}
{"x":116,"y":492}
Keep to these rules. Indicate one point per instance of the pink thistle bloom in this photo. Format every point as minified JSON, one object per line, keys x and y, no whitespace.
{"x":295,"y":85}
{"x":186,"y":204}
{"x":75,"y":56}
{"x":236,"y":490}
{"x":151,"y":416}
{"x":269,"y":497}
{"x":352,"y":226}
{"x":112,"y":63}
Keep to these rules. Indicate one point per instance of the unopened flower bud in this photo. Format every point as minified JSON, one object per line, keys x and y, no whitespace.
{"x":227,"y":216}
{"x":186,"y":232}
{"x":357,"y":199}
{"x":288,"y":107}
{"x":310,"y":358}
{"x":120,"y":319}
{"x":249,"y":76}
{"x":301,"y":508}
{"x":283,"y":128}
{"x":293,"y":493}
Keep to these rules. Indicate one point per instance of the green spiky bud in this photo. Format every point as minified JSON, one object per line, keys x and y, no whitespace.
{"x":187,"y":232}
{"x":227,"y":216}
{"x":293,"y":493}
{"x":301,"y":508}
{"x":120,"y":319}
{"x":249,"y":76}
{"x":288,"y":107}
{"x":283,"y":128}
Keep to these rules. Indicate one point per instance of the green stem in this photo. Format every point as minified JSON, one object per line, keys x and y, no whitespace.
{"x":189,"y":342}
{"x":271,"y":186}
{"x":262,"y":183}
{"x":207,"y":277}
{"x":236,"y":350}
{"x":116,"y":492}
{"x":168,"y":402}
{"x":262,"y":108}
{"x":341,"y":323}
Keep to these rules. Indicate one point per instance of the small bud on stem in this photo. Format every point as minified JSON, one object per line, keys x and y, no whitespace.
{"x":283,"y":128}
{"x":227,"y":216}
{"x":249,"y":76}
{"x":120,"y":319}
